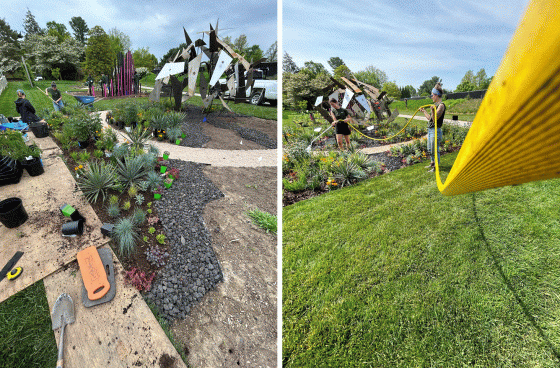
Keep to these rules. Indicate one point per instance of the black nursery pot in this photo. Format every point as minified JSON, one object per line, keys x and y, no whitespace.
{"x":83,"y":144}
{"x":73,"y":228}
{"x":40,"y":130}
{"x":34,"y":166}
{"x":12,"y":213}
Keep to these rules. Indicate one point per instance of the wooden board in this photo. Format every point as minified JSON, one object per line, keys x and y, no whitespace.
{"x":223,"y":62}
{"x":120,"y":333}
{"x":234,"y":55}
{"x":351,"y":85}
{"x":40,"y":237}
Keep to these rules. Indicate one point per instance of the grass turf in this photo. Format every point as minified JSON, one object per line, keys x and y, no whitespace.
{"x":27,"y":338}
{"x":390,"y":273}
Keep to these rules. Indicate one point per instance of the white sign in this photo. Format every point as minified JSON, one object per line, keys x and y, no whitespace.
{"x":171,"y":69}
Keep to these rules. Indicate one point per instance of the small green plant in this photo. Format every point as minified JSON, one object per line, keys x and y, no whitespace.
{"x":126,"y":205}
{"x":139,"y":199}
{"x":145,"y":238}
{"x":152,"y":230}
{"x":149,"y":210}
{"x":84,"y":156}
{"x":132,"y":191}
{"x":74,"y":155}
{"x":160,"y":238}
{"x":264,"y":220}
{"x":149,"y":204}
{"x":97,"y":153}
{"x":96,"y":180}
{"x":114,"y":200}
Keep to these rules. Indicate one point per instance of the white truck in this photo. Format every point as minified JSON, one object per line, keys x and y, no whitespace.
{"x":263,"y":90}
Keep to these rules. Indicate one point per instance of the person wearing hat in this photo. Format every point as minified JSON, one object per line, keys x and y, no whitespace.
{"x":56,"y":96}
{"x":437,"y":93}
{"x":25,"y":108}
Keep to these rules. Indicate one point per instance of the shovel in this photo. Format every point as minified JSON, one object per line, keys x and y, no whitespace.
{"x":62,"y":314}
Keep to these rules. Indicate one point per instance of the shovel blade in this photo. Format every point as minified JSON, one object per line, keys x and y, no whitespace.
{"x":63,"y":307}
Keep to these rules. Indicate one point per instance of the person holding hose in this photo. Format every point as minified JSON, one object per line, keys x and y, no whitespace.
{"x":437,"y":93}
{"x":56,"y":96}
{"x":341,"y":118}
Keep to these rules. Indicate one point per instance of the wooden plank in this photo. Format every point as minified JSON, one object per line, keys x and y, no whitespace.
{"x":223,"y":62}
{"x":40,"y":237}
{"x":351,"y":85}
{"x":224,"y":103}
{"x":120,"y":333}
{"x":234,"y":55}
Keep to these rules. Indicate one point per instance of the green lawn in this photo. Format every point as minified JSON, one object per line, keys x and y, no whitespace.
{"x":43,"y":104}
{"x":390,"y":273}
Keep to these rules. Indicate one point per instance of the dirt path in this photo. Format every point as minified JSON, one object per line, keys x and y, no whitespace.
{"x":235,"y":325}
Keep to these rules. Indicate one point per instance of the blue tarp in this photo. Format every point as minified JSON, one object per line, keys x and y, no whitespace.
{"x":15,"y":126}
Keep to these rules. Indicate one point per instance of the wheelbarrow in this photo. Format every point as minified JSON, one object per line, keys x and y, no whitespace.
{"x":85,"y":101}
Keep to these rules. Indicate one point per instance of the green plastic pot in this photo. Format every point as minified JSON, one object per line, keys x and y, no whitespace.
{"x":163,"y":169}
{"x":157,"y":196}
{"x":165,"y":157}
{"x":178,"y":142}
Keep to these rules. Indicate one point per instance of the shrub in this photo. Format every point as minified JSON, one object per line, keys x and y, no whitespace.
{"x":348,"y":173}
{"x":96,"y":180}
{"x":154,"y":180}
{"x":125,"y":235}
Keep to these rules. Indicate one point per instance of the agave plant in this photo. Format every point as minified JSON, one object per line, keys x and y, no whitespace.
{"x":138,"y":138}
{"x":131,"y":171}
{"x":97,"y":179}
{"x":362,"y":160}
{"x":348,"y":172}
{"x":121,"y":151}
{"x":125,"y":235}
{"x":158,"y":121}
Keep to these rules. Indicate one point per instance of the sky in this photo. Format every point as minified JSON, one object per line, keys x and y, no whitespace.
{"x":411,"y":41}
{"x":157,"y":25}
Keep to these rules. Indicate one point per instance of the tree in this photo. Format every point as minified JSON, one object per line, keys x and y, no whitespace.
{"x":408,"y":91}
{"x":314,"y":68}
{"x":253,"y":53}
{"x":392,"y":90}
{"x":143,"y":58}
{"x":240,"y":44}
{"x":10,"y":48}
{"x":341,"y":71}
{"x":481,"y":80}
{"x":227,"y":40}
{"x":288,"y":64}
{"x":426,"y":87}
{"x":272,"y":53}
{"x":80,"y":28}
{"x":372,"y":76}
{"x":468,"y":83}
{"x":99,"y":53}
{"x":30,"y":25}
{"x":120,"y":42}
{"x":334,"y":62}
{"x":300,"y":89}
{"x":46,"y":53}
{"x":168,"y":57}
{"x":57,"y":30}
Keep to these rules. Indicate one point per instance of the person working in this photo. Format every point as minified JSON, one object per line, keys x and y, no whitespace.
{"x":25,"y":109}
{"x":341,"y":118}
{"x":56,"y":96}
{"x":437,"y":93}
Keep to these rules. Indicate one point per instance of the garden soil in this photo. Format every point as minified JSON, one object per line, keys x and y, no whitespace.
{"x":235,"y":325}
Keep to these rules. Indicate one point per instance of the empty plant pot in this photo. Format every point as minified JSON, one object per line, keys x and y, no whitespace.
{"x":107,"y":229}
{"x":34,"y":166}
{"x":73,"y":228}
{"x":40,"y":130}
{"x":12,"y":213}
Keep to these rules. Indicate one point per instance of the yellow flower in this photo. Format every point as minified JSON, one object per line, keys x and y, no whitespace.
{"x":161,"y":135}
{"x":81,"y":167}
{"x":76,"y":168}
{"x":334,"y":184}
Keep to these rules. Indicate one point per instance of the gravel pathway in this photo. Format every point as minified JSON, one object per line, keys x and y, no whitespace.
{"x":192,"y":268}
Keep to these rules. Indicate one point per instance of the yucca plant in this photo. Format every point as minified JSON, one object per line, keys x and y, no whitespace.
{"x":131,"y":171}
{"x":158,"y":121}
{"x":348,"y":173}
{"x":174,"y":133}
{"x":125,"y":235}
{"x":138,"y":138}
{"x":121,"y":151}
{"x":175,"y":119}
{"x":96,"y":180}
{"x":362,"y":160}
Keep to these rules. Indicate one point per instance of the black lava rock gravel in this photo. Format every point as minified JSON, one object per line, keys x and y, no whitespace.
{"x":193,"y":131}
{"x":192,"y":268}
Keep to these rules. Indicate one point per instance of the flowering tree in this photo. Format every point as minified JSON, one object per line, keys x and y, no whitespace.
{"x":299,"y":89}
{"x":10,"y":50}
{"x":46,"y":53}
